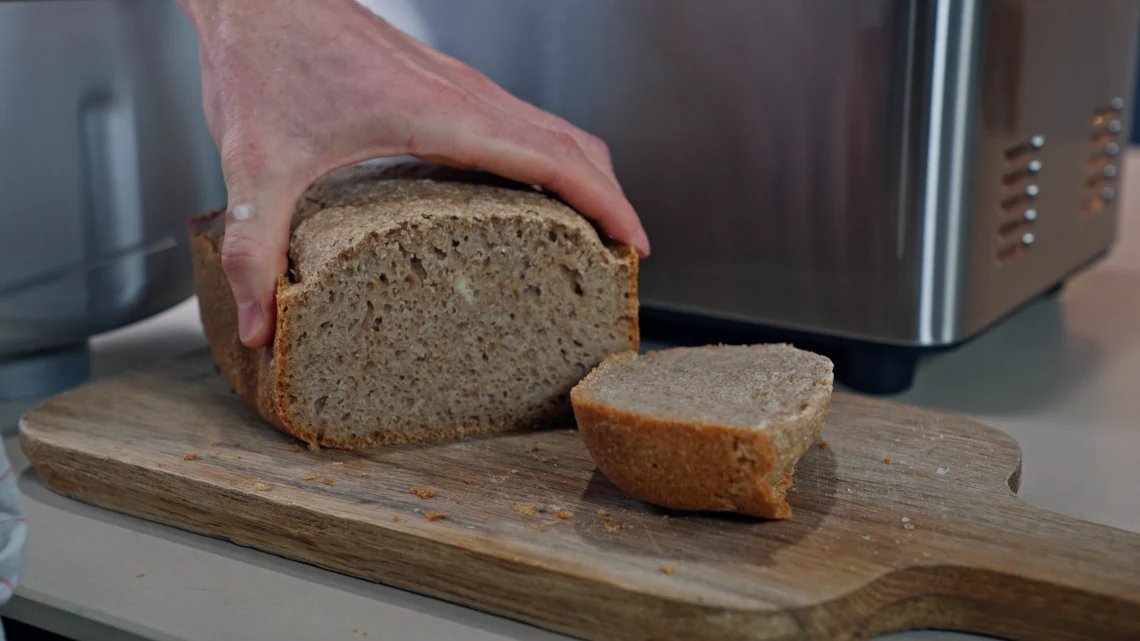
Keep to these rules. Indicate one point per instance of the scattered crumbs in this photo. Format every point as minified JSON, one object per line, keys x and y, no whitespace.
{"x":514,"y":471}
{"x":960,"y":478}
{"x":667,"y":569}
{"x":467,"y":481}
{"x":363,"y":474}
{"x":162,"y":464}
{"x":525,"y":510}
{"x":140,"y":575}
{"x":312,"y":477}
{"x":866,"y":537}
{"x":906,"y":519}
{"x":261,"y":487}
{"x":537,"y":528}
{"x":191,"y":457}
{"x":422,"y":492}
{"x":827,"y":548}
{"x":217,"y":452}
{"x":338,"y":464}
{"x":942,"y":471}
{"x":434,"y":516}
{"x":908,"y":526}
{"x":395,"y":518}
{"x":237,"y":458}
{"x":294,"y":448}
{"x":565,"y":516}
{"x":216,"y":444}
{"x":329,"y":482}
{"x":664,"y":517}
{"x":887,"y":461}
{"x":823,"y":445}
{"x":458,"y":502}
{"x":554,"y":459}
{"x":612,"y":525}
{"x":925,"y":460}
{"x":601,"y":512}
{"x":533,"y":447}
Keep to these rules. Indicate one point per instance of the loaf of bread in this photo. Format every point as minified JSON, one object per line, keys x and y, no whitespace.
{"x":707,"y":428}
{"x":424,"y":303}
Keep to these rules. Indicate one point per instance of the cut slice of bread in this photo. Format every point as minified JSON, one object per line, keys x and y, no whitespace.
{"x":424,"y":303}
{"x":717,"y":428}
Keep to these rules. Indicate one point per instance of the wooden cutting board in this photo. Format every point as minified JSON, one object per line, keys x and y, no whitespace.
{"x":903,"y":518}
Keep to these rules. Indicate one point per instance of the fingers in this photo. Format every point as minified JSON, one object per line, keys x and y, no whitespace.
{"x":519,"y":150}
{"x":254,"y":255}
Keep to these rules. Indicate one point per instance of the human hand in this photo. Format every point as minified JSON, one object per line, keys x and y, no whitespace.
{"x":294,"y":89}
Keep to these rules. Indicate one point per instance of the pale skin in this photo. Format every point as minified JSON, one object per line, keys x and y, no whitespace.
{"x":293,"y":89}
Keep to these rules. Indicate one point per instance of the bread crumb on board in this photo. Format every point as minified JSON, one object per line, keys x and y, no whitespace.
{"x":329,"y":482}
{"x":261,"y":487}
{"x":565,"y":516}
{"x":312,"y":477}
{"x":216,"y":444}
{"x":533,"y":447}
{"x":537,"y":528}
{"x":217,"y":452}
{"x":467,"y":481}
{"x":667,"y":569}
{"x":140,"y":575}
{"x":338,"y":464}
{"x":823,"y":445}
{"x":363,"y":474}
{"x":422,"y":492}
{"x":887,"y":461}
{"x":435,"y":516}
{"x":396,"y":518}
{"x":601,"y":512}
{"x":525,"y":510}
{"x":294,"y":448}
{"x":191,"y":457}
{"x":611,"y":525}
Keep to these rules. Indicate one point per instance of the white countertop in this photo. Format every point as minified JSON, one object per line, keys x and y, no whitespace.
{"x":1061,"y":376}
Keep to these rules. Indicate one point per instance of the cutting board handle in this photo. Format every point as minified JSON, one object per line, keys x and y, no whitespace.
{"x":1055,"y":577}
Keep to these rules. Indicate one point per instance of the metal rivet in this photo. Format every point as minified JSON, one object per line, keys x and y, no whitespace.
{"x":1111,"y":149}
{"x":1030,"y":215}
{"x":1107,"y":194}
{"x":1117,"y":103}
{"x":1037,"y":141}
{"x":1032,"y":190}
{"x":1115,"y":126}
{"x":1109,"y":171}
{"x":1034,"y":166}
{"x":1028,"y":238}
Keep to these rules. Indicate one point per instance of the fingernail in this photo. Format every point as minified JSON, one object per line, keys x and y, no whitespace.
{"x":241,"y":212}
{"x":250,"y":320}
{"x":642,"y":242}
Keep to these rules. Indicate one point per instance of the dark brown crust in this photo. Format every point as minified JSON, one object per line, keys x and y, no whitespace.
{"x":683,"y":465}
{"x":260,"y":376}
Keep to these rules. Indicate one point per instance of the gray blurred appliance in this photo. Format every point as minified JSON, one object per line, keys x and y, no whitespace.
{"x":104,"y":156}
{"x":894,"y":174}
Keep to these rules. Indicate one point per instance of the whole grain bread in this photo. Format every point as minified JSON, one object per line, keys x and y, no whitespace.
{"x":716,"y":428}
{"x":424,"y":303}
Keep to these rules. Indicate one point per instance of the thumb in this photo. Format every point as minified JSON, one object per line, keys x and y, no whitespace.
{"x":254,"y":254}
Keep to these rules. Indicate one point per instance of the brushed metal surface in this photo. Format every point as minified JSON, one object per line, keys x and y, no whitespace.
{"x":104,"y":156}
{"x":831,"y":166}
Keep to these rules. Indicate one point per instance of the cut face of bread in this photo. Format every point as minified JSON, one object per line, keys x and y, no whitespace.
{"x":709,"y":428}
{"x":426,"y":308}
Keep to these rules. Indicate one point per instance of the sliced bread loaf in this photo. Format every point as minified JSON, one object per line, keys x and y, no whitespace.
{"x":707,"y":428}
{"x":424,"y":303}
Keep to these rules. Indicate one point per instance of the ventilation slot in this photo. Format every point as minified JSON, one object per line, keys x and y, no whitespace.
{"x":1103,"y":166}
{"x":1020,"y":190}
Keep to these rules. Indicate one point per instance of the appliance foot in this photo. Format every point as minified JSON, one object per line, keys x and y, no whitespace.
{"x":876,"y":369}
{"x":44,"y":373}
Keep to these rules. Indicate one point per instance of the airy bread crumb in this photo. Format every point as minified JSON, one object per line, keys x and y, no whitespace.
{"x":434,"y":516}
{"x":422,"y":492}
{"x":312,"y":477}
{"x":191,"y":457}
{"x":329,"y":482}
{"x":261,"y":487}
{"x":525,"y":510}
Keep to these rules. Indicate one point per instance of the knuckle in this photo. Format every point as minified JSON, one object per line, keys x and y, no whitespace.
{"x":241,"y":254}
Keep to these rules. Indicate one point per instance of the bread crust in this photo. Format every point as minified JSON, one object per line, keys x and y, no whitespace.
{"x":691,"y":466}
{"x":260,"y":376}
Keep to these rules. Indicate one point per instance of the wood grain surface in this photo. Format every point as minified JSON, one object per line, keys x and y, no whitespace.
{"x":903,"y":518}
